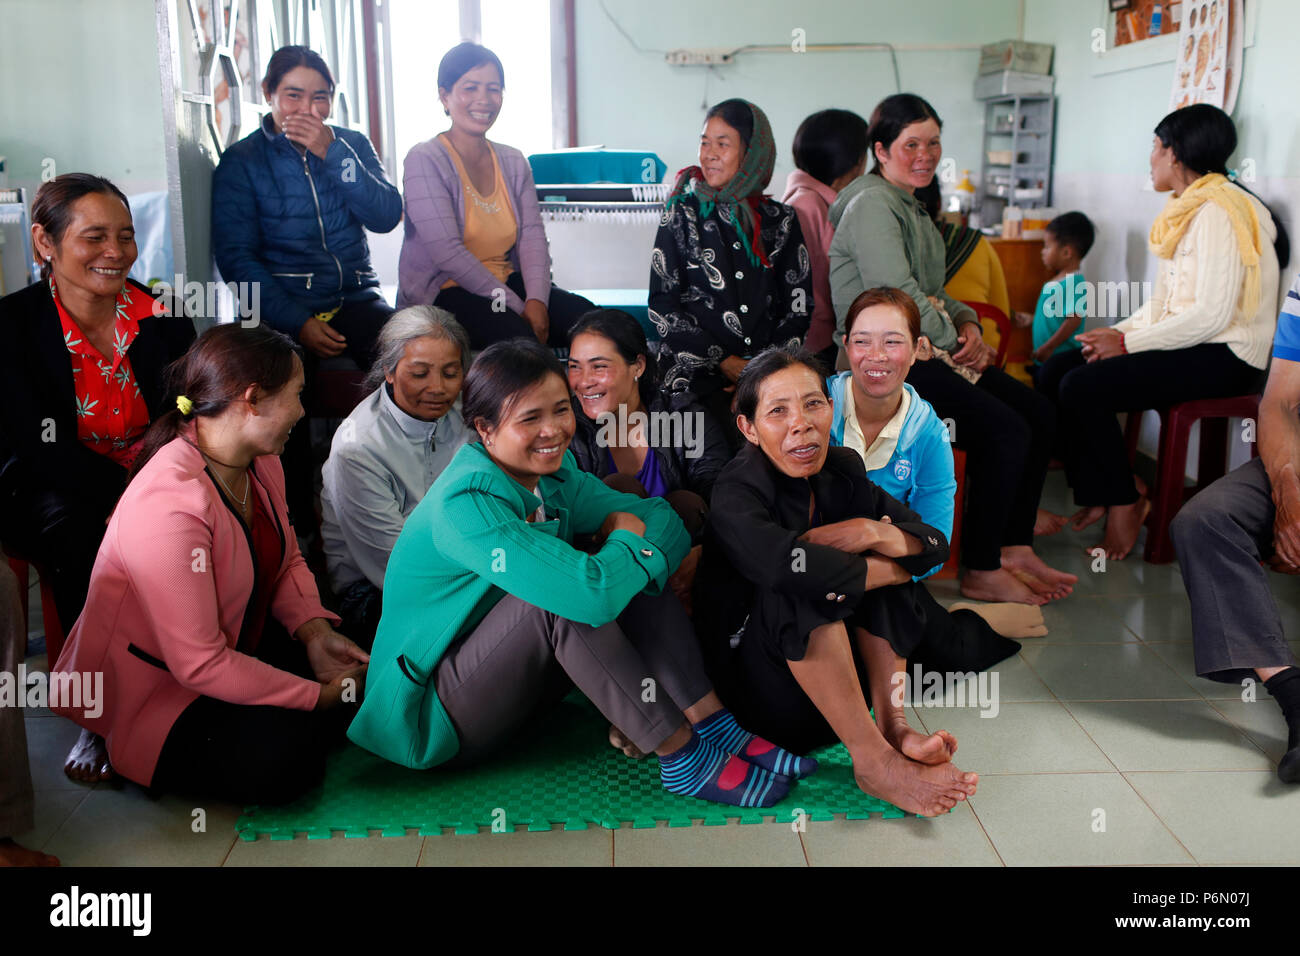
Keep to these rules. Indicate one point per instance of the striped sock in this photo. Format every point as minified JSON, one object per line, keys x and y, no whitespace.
{"x":722,"y":730}
{"x":702,"y":770}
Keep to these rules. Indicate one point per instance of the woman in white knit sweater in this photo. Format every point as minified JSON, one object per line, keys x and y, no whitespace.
{"x":1205,"y":333}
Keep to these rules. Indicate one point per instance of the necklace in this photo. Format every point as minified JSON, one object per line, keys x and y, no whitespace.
{"x":247,"y":484}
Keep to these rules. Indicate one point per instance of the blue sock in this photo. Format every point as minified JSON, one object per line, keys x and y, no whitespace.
{"x":722,"y":730}
{"x":703,"y":770}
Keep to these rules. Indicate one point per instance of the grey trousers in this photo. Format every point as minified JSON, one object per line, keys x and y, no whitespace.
{"x":640,"y":671}
{"x":1221,"y":535}
{"x":16,"y":801}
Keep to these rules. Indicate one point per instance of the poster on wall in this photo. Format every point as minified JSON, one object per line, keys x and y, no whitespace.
{"x":1208,"y":67}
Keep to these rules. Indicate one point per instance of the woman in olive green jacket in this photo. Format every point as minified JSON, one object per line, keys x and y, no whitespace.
{"x":491,"y":614}
{"x":884,"y":238}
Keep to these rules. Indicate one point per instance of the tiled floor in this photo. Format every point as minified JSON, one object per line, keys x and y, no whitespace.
{"x":1106,"y":749}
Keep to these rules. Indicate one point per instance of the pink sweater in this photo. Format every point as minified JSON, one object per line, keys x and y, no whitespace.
{"x":167,"y":598}
{"x":433,"y":249}
{"x":811,"y":198}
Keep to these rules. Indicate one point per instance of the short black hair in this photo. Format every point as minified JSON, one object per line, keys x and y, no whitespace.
{"x":766,"y":364}
{"x":1075,"y":230}
{"x":629,"y":341}
{"x":829,"y":144}
{"x":500,"y":373}
{"x":289,"y":57}
{"x":737,"y":115}
{"x":462,"y":58}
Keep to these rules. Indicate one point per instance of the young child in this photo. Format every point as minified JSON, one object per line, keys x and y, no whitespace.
{"x":1063,"y":303}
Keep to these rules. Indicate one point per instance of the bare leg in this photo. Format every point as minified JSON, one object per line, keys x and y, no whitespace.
{"x":1123,"y":523}
{"x":1041,"y":577}
{"x":828,"y":676}
{"x":885,"y":671}
{"x":702,"y":709}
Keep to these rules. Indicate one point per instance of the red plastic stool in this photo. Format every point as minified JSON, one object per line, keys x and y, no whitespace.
{"x":49,"y":612}
{"x":1175,"y":427}
{"x":951,"y":568}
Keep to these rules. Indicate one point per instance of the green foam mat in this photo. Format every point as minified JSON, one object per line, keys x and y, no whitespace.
{"x":563,"y":773}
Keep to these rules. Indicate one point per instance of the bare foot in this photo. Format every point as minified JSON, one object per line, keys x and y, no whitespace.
{"x":1048,"y":522}
{"x":11,"y":854}
{"x":934,"y":749}
{"x":619,"y":741}
{"x":911,"y":786}
{"x":1086,"y":516}
{"x":88,"y":759}
{"x":999,"y":585}
{"x":1123,"y":522}
{"x":1021,"y":558}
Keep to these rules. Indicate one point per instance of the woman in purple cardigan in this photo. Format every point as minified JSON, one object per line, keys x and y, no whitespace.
{"x":474,"y":241}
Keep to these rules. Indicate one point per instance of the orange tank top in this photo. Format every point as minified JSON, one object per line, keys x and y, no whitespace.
{"x":491,"y":229}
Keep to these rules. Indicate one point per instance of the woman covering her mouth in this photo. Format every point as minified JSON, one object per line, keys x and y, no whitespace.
{"x":485,"y":591}
{"x":474,"y":237}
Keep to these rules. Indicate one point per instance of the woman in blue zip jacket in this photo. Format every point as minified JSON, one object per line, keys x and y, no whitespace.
{"x":290,"y":203}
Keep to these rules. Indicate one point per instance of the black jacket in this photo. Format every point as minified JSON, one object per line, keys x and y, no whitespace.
{"x":707,"y":301}
{"x":38,"y":402}
{"x":751,"y":549}
{"x":678,"y":470}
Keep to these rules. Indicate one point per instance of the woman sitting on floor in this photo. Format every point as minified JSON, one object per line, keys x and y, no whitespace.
{"x":387,"y":453}
{"x":474,"y":241}
{"x":808,"y":569}
{"x":198,"y":586}
{"x":1204,"y":333}
{"x":906,"y":451}
{"x":491,"y":615}
{"x":729,"y":274}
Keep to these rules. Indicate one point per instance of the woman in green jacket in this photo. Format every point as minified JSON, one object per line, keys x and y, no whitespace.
{"x":491,"y":614}
{"x":884,"y":238}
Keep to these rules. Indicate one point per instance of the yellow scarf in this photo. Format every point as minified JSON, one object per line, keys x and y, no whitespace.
{"x":1168,"y":229}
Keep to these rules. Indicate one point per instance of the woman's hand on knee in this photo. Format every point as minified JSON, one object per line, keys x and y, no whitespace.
{"x":343,"y":689}
{"x":331,"y":654}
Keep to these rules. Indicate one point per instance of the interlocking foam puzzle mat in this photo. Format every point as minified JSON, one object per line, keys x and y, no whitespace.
{"x":563,"y":772}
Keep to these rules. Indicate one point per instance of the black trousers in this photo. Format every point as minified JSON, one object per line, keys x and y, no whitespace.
{"x":755,"y":680}
{"x":250,"y":754}
{"x":486,"y":325}
{"x":1089,"y":395}
{"x":1005,"y":428}
{"x":359,"y":321}
{"x":63,"y":536}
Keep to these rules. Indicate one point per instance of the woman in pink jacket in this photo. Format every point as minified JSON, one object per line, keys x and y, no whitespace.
{"x":197,"y":587}
{"x":830,"y":151}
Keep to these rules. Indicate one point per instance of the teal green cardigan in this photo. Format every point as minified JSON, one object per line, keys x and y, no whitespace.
{"x":466,"y":545}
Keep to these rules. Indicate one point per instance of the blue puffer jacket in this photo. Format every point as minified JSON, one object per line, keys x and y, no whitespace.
{"x":293,"y":223}
{"x":920,"y":471}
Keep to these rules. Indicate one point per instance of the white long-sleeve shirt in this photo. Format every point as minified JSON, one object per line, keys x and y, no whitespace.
{"x":1198,"y":293}
{"x":382,"y":462}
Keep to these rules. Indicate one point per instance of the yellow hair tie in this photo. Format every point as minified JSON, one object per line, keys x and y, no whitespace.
{"x":184,"y":404}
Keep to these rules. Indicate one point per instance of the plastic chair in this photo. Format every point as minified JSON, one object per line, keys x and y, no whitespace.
{"x":1171,"y":463}
{"x":49,"y":611}
{"x":998,"y":318}
{"x":952,"y":567}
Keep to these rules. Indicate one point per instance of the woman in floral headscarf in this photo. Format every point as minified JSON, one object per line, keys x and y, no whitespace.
{"x":729,"y":275}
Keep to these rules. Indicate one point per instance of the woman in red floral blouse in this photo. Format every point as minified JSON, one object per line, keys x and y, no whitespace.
{"x":81,"y":377}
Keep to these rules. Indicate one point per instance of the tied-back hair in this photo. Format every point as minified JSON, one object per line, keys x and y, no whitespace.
{"x":462,"y":58}
{"x":500,"y":373}
{"x":829,"y":144}
{"x":1203,"y":137}
{"x":885,"y":295}
{"x":213,"y":373}
{"x":766,"y":364}
{"x":407,"y":325}
{"x":629,"y":341}
{"x":52,"y":207}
